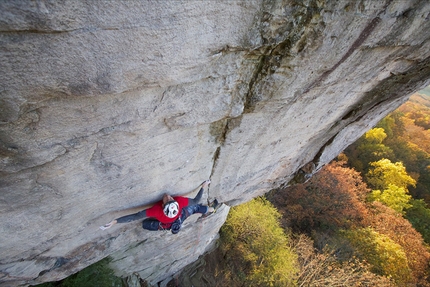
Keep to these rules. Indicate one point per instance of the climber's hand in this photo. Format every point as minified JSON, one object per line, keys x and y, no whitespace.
{"x":206,"y":183}
{"x":108,"y":225}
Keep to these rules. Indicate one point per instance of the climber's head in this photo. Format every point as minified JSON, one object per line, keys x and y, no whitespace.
{"x":170,"y":206}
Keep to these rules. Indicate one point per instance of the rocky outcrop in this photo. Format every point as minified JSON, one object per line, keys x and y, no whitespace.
{"x":107,"y":105}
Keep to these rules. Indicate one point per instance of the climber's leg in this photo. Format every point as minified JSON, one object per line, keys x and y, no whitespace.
{"x":151,"y":224}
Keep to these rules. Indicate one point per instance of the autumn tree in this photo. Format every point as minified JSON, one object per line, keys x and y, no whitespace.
{"x":410,"y":143}
{"x":369,"y":148}
{"x":386,"y":256}
{"x":332,"y":198}
{"x":375,"y":136}
{"x":335,"y":198}
{"x":322,"y":268}
{"x":405,"y":142}
{"x":385,"y":220}
{"x":384,"y":173}
{"x":258,"y":247}
{"x":394,"y":197}
{"x":390,"y":181}
{"x":393,"y":126}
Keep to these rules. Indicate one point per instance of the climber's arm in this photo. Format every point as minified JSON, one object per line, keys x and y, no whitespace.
{"x":132,"y":217}
{"x":196,"y":200}
{"x":124,"y":219}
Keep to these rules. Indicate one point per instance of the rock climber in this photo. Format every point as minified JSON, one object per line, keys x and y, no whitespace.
{"x":169,"y":213}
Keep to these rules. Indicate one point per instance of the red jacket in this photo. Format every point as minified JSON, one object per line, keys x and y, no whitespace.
{"x":157,"y":212}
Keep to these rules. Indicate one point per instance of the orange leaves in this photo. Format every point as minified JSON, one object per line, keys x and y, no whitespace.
{"x":332,"y":198}
{"x":335,"y":199}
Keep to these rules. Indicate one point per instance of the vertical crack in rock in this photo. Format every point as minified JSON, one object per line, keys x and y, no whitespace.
{"x":288,"y":35}
{"x":251,"y":98}
{"x":272,"y":39}
{"x":218,"y":130}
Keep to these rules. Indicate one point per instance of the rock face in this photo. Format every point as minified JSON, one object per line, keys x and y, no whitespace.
{"x":107,"y":105}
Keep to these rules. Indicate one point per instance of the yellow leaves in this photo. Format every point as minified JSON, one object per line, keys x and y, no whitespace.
{"x":384,"y":172}
{"x":391,"y":181}
{"x":252,"y":232}
{"x":395,"y":197}
{"x":376,"y":135}
{"x":386,"y":257}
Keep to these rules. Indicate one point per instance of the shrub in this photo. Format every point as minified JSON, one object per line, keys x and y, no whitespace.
{"x":257,"y":246}
{"x":394,"y":197}
{"x":385,"y":256}
{"x":390,"y":223}
{"x":419,"y":216}
{"x":97,"y":274}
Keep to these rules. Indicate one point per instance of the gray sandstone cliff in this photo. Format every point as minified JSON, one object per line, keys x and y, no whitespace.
{"x":106,"y":105}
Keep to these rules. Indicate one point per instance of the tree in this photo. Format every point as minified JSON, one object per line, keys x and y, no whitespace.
{"x":410,"y":143}
{"x":419,"y":216}
{"x":386,"y":257}
{"x":393,"y":196}
{"x":369,"y":148}
{"x":390,"y":181}
{"x":322,"y":268}
{"x":393,"y":126}
{"x":332,"y":198}
{"x":335,"y":198}
{"x":376,"y":135}
{"x":253,"y":238}
{"x":384,"y":173}
{"x":386,"y":221}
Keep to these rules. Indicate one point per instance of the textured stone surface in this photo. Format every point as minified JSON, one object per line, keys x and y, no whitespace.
{"x":106,"y":105}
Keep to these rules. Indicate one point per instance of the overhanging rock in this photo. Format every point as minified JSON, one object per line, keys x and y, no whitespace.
{"x":107,"y":105}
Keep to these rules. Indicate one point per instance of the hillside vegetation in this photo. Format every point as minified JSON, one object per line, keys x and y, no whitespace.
{"x":372,"y":204}
{"x":363,"y":220}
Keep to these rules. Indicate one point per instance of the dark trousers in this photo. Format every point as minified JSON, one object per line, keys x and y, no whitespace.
{"x":154,"y":225}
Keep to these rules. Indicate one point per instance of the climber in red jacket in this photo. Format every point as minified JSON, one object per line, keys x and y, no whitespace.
{"x":167,"y":214}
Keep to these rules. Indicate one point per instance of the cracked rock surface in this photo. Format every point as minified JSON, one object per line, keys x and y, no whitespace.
{"x":107,"y":105}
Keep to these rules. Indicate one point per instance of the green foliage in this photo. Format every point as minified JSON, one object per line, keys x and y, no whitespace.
{"x":369,"y":148}
{"x":392,"y":125}
{"x":371,"y":152}
{"x":393,"y":196}
{"x":411,"y":143}
{"x":384,"y":173}
{"x":386,"y":257}
{"x":253,"y":237}
{"x":97,"y":274}
{"x":419,"y":216}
